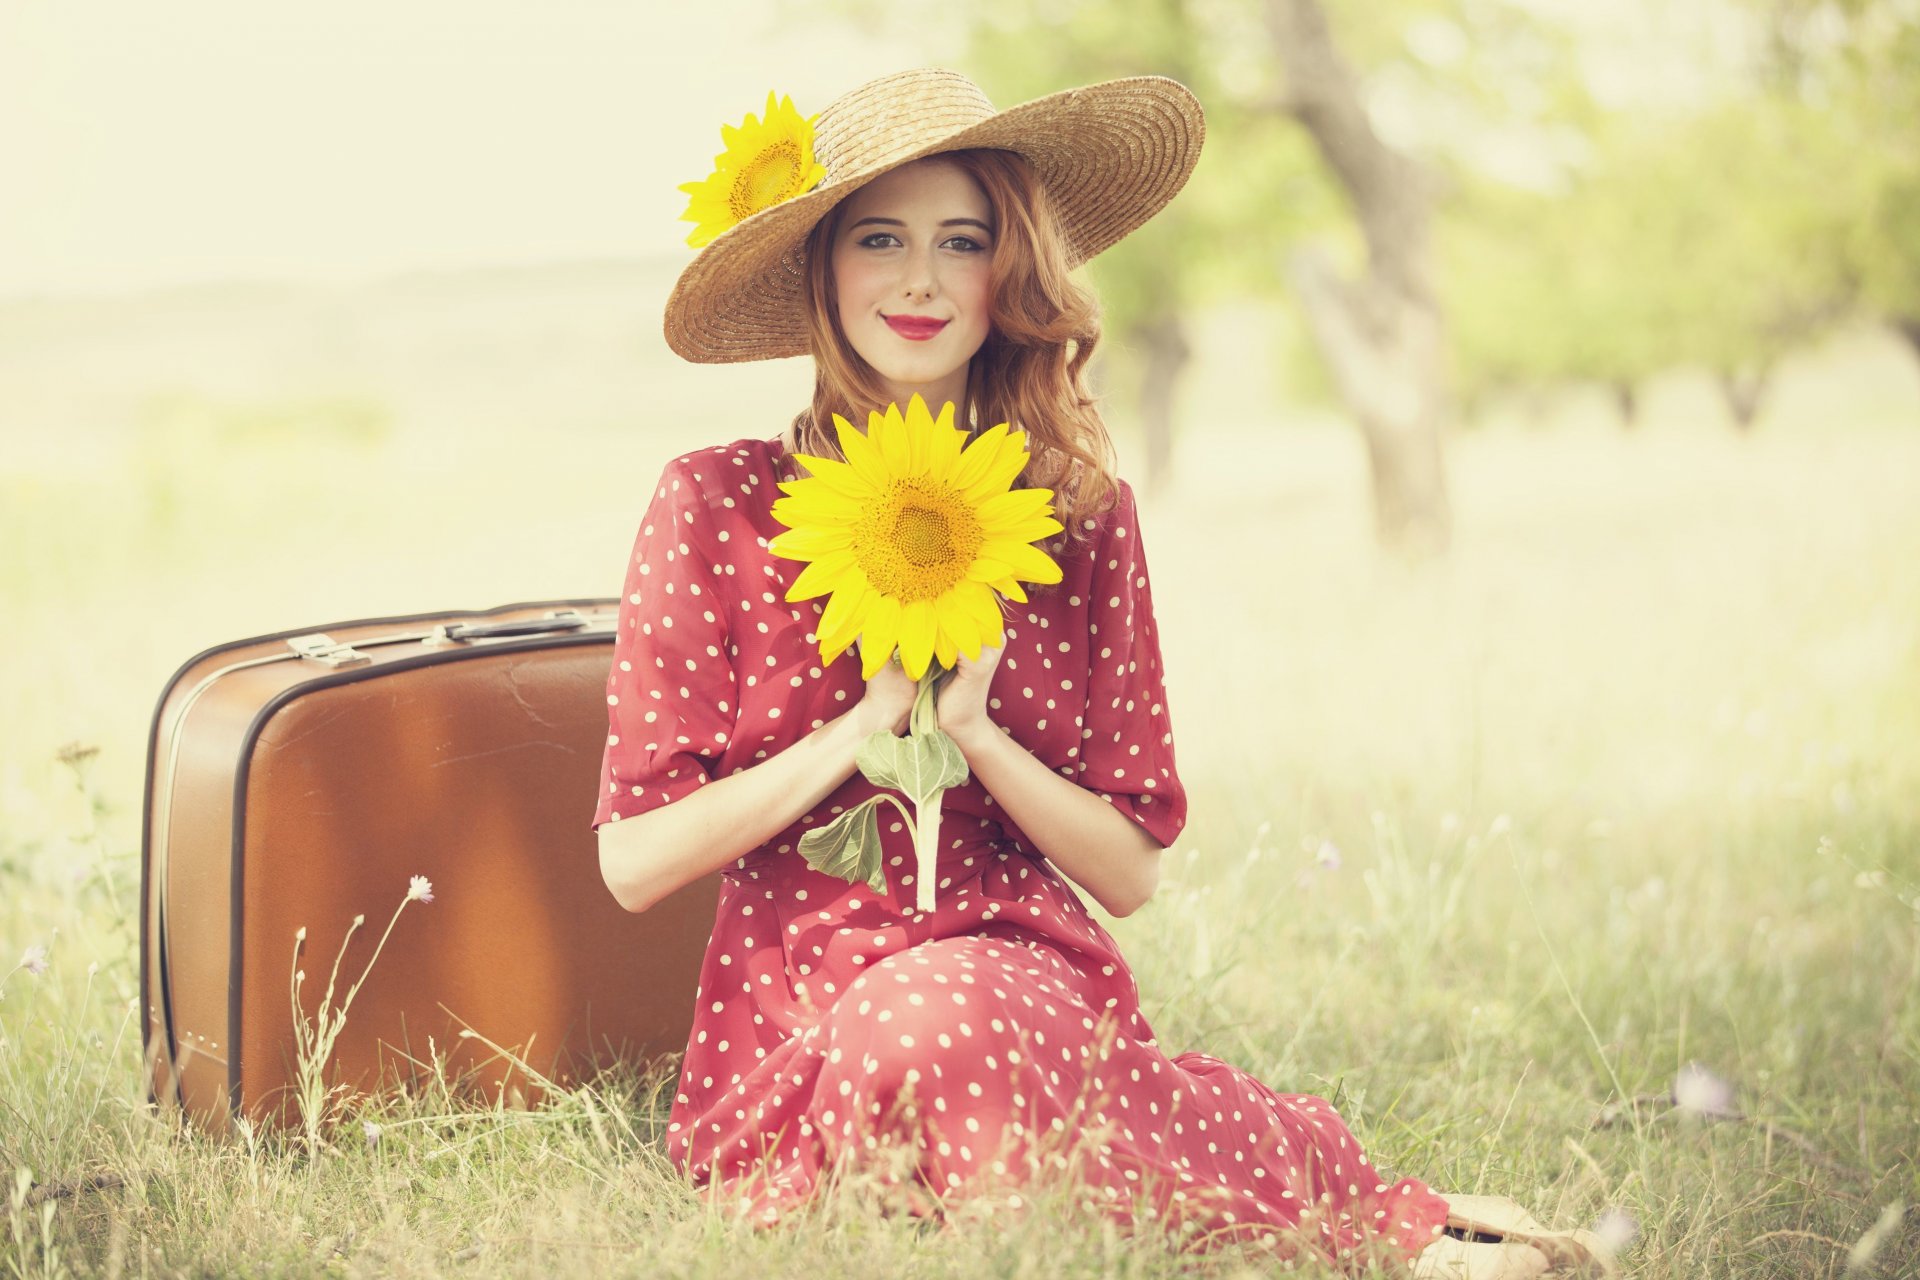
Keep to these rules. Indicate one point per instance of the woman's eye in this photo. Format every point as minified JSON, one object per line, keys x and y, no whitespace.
{"x":965,"y":244}
{"x":873,"y":241}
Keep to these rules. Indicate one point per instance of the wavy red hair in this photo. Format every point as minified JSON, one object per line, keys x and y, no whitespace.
{"x":1030,"y":371}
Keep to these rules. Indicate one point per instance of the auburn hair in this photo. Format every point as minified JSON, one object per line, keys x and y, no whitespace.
{"x":1030,"y":372}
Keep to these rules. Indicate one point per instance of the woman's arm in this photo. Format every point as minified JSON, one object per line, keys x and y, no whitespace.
{"x":1101,"y":848}
{"x":647,"y":857}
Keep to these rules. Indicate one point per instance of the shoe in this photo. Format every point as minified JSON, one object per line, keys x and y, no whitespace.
{"x":1497,"y":1219}
{"x":1450,"y":1258}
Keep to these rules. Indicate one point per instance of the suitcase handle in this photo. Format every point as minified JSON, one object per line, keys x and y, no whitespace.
{"x":563,"y":621}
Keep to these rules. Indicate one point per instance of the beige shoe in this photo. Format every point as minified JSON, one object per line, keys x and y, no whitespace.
{"x":1499,"y":1220}
{"x":1449,"y":1258}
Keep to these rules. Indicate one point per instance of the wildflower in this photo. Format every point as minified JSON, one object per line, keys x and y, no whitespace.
{"x":1327,"y":856}
{"x":34,"y":959}
{"x":1616,"y":1229}
{"x":420,"y":889}
{"x":372,"y":1131}
{"x":1699,"y":1091}
{"x":1501,"y":825}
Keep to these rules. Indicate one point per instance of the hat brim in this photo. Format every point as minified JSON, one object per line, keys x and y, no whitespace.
{"x":1111,"y":155}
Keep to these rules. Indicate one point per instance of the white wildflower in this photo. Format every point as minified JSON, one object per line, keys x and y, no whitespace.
{"x":1701,"y":1092}
{"x":1616,"y":1230}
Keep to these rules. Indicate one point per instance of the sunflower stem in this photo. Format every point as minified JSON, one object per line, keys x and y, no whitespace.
{"x":926,"y":827}
{"x":926,"y":847}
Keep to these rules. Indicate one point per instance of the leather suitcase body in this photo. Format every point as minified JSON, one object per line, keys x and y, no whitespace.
{"x":301,"y":779}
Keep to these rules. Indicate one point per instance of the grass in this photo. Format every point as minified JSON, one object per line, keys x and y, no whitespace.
{"x":1483,"y":852}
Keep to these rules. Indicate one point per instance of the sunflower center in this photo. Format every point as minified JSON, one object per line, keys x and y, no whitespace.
{"x":918,"y":540}
{"x":766,"y":179}
{"x":923,"y":536}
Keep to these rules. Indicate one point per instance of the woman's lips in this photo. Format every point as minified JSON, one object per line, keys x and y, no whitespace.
{"x":917,"y":328}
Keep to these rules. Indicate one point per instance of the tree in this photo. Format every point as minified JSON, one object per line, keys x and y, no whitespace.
{"x":1381,"y":331}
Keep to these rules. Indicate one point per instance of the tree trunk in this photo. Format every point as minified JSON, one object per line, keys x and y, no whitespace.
{"x":1908,"y":327}
{"x":1626,"y":398}
{"x":1382,"y":335}
{"x":1167,"y":353}
{"x":1743,"y":392}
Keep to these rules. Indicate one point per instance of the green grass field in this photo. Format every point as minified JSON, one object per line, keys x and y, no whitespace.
{"x":1481,"y":851}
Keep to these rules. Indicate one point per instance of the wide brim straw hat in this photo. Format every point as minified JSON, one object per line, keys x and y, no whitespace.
{"x":1111,"y":155}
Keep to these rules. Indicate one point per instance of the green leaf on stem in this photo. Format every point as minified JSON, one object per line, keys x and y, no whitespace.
{"x":849,"y":846}
{"x":920,"y":766}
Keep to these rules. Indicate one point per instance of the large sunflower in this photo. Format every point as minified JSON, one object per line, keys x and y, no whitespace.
{"x":912,"y":535}
{"x":766,"y":162}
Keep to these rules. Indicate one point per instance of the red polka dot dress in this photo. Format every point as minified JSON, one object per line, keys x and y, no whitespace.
{"x":997,"y":1040}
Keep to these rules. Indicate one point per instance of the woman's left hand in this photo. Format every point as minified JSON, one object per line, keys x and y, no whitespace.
{"x":960,"y":704}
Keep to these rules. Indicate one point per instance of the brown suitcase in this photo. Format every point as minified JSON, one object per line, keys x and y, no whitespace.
{"x":303,"y":778}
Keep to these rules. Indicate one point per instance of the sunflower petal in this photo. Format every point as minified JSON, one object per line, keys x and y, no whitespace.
{"x":988,"y":570}
{"x":977,"y":601}
{"x":836,"y":476}
{"x":818,"y":506}
{"x":811,"y":541}
{"x":916,"y":637}
{"x":978,"y":456}
{"x":819,"y":578}
{"x":959,"y":626}
{"x":862,"y":454}
{"x":881,"y":636}
{"x":1027,"y":562}
{"x":944,"y":450}
{"x":888,"y":431}
{"x":845,"y":612}
{"x":1001,"y":471}
{"x":1014,"y":507}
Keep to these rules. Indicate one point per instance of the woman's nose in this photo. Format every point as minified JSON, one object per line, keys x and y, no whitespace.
{"x":919,"y":278}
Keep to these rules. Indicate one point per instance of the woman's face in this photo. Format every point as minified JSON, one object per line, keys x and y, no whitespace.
{"x":911,"y":265}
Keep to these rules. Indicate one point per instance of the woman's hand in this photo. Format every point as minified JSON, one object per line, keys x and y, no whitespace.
{"x":888,"y":700}
{"x":960,"y":704}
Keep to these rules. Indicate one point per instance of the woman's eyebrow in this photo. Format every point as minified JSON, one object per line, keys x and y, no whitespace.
{"x":948,"y":222}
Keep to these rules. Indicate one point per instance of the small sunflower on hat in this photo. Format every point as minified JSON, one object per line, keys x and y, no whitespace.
{"x":915,"y":535}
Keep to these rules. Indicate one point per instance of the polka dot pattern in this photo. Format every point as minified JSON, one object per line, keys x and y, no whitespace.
{"x":996,"y":1042}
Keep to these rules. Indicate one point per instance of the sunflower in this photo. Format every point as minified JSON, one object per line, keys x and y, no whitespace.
{"x":912,"y":535}
{"x":766,"y":162}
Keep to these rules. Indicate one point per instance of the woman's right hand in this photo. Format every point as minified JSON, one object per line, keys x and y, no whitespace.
{"x":888,"y":701}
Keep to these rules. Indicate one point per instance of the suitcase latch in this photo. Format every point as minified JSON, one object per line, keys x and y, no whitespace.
{"x":324,"y":649}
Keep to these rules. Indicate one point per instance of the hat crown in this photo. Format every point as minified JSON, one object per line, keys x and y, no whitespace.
{"x":892,"y":118}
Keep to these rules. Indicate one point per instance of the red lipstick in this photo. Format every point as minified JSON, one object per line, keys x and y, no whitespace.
{"x":916,"y":328}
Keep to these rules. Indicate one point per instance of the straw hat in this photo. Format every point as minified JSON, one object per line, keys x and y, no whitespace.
{"x":1111,"y":155}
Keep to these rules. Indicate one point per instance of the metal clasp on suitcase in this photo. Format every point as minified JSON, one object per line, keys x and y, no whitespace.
{"x":327,"y":651}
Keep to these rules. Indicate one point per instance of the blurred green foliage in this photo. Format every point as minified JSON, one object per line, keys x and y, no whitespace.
{"x":1717,"y":229}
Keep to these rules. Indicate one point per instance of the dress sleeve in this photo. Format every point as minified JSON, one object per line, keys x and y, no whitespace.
{"x":1126,"y":743}
{"x":671,"y":697}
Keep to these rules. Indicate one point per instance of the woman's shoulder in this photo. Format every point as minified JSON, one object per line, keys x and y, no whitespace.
{"x":723,"y":474}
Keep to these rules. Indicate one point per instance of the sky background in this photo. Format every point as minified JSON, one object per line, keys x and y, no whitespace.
{"x":144,"y":145}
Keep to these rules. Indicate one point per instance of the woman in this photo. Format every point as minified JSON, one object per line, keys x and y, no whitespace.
{"x":997,"y":1038}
